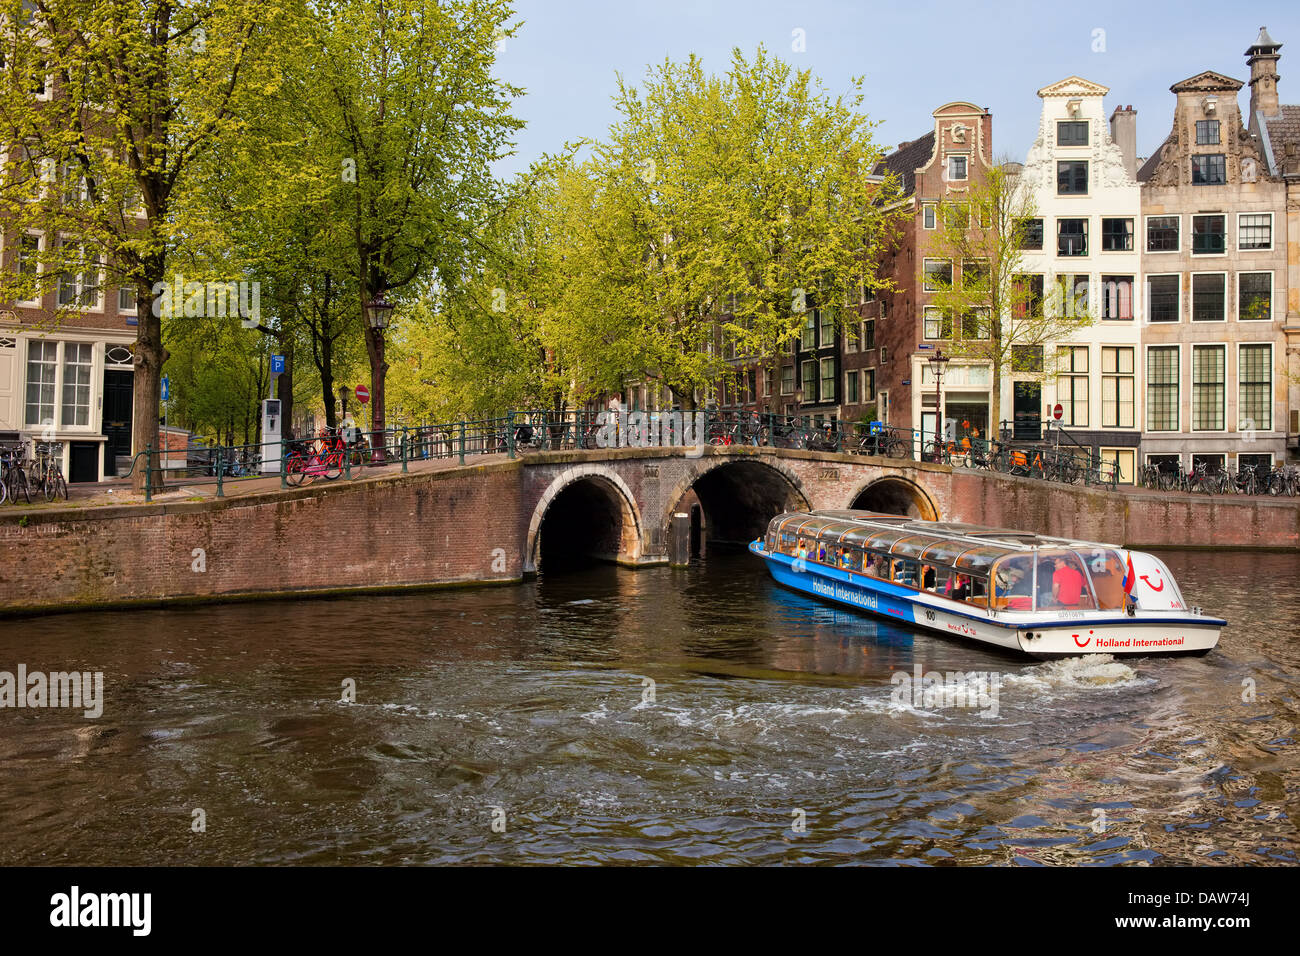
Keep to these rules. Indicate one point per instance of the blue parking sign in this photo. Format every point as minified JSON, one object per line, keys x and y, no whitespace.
{"x":277,"y":364}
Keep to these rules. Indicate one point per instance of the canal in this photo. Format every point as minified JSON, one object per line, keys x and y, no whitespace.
{"x":656,"y":716}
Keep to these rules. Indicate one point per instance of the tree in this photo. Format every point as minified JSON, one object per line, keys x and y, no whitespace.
{"x":141,"y":89}
{"x":991,"y":309}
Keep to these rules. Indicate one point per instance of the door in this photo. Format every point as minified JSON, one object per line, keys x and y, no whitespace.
{"x":83,"y":462}
{"x":118,"y":387}
{"x":1028,"y":411}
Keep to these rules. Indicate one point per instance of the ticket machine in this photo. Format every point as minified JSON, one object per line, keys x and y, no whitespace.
{"x":272,"y":426}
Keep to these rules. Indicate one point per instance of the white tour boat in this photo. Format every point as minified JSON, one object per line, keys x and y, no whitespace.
{"x":1045,"y":596}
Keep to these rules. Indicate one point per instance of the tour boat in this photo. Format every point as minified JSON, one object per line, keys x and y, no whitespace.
{"x":1045,"y":596}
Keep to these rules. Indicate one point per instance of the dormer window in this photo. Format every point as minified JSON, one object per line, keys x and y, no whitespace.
{"x":1207,"y":132}
{"x":1072,"y":133}
{"x":1209,"y":170}
{"x":956,"y":167}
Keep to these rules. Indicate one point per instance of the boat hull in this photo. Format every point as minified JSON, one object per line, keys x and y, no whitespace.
{"x":1038,"y":634}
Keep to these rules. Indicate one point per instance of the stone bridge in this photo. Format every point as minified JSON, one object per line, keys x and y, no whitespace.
{"x":497,"y":520}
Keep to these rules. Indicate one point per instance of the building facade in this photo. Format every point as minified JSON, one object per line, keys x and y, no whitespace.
{"x":1082,"y":252}
{"x":1214,"y":248}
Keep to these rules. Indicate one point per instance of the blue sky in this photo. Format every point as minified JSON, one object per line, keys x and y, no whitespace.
{"x":916,"y":55}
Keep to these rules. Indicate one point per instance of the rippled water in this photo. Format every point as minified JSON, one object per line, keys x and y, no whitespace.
{"x":529,"y":707}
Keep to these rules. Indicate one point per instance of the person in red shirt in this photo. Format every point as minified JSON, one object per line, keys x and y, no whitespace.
{"x":1067,"y":584}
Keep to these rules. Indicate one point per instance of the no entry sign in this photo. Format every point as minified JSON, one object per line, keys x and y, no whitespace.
{"x":1058,"y":411}
{"x":363,"y":395}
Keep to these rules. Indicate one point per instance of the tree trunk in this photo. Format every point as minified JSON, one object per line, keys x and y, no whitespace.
{"x":378,"y":369}
{"x":147,"y":379}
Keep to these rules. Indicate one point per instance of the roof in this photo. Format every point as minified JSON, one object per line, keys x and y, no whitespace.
{"x":1149,"y":167}
{"x":1262,"y":41}
{"x":904,"y":161}
{"x":1282,"y":128}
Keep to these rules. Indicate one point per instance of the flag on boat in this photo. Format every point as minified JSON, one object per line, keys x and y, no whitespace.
{"x":1129,"y":577}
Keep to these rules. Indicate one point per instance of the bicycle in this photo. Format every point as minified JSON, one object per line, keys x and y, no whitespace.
{"x":883,"y":443}
{"x":322,"y":456}
{"x":13,"y":471}
{"x":45,"y":473}
{"x":1201,"y":480}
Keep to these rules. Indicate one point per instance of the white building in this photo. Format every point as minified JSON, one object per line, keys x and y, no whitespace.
{"x":1081,"y":174}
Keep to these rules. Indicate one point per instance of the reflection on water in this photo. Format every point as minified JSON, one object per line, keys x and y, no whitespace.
{"x":649,"y":716}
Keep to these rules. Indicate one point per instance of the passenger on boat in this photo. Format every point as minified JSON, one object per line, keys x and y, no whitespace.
{"x":959,"y":587}
{"x":1067,"y":584}
{"x":928,"y":577}
{"x":802,"y":551}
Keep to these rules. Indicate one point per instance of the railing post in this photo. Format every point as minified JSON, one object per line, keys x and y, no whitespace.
{"x":284,"y":463}
{"x":148,"y":472}
{"x":404,"y":454}
{"x":510,"y":434}
{"x":220,"y":491}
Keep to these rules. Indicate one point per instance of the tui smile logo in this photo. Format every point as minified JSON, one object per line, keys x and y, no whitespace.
{"x":1154,"y":587}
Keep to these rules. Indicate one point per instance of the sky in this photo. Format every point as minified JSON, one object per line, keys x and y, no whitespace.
{"x":915,"y":56}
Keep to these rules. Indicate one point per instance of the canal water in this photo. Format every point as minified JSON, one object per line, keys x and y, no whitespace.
{"x":657,"y":716}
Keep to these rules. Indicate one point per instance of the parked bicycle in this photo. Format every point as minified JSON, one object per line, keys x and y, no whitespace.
{"x":319,"y":457}
{"x":13,"y":474}
{"x":45,"y":472}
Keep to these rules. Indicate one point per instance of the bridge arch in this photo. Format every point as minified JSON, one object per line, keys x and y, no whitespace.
{"x":894,"y":494}
{"x":738,"y":496}
{"x":593,"y":507}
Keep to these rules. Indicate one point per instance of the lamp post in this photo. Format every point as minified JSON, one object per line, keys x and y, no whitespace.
{"x":377,"y":312}
{"x":937,"y":362}
{"x":344,"y":392}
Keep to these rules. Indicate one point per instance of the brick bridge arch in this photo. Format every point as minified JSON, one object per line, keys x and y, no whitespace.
{"x":605,"y":481}
{"x":755,"y":485}
{"x":894,"y":494}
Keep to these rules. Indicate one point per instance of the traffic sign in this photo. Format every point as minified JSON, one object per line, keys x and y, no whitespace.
{"x":166,"y":388}
{"x":1058,"y":411}
{"x":363,"y":394}
{"x":277,"y":364}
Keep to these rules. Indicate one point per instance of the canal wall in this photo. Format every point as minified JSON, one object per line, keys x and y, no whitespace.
{"x":480,"y":524}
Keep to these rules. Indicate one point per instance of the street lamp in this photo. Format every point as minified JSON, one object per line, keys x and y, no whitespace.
{"x":378,"y":311}
{"x":344,"y":392}
{"x":937,"y":361}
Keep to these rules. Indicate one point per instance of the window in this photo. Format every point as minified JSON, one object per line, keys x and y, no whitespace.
{"x":1123,"y":461}
{"x":126,"y":298}
{"x":938,"y":275}
{"x":1072,"y":385}
{"x":76,"y":383}
{"x":1071,"y":237}
{"x":1026,"y":358}
{"x":1207,"y":387}
{"x":882,"y":406}
{"x":1162,"y":298}
{"x":868,"y":334}
{"x":927,"y":216}
{"x":1207,"y":235}
{"x":956,"y":215}
{"x":1260,"y":463}
{"x":1117,"y":297}
{"x":850,"y":340}
{"x":1207,"y":132}
{"x":1072,"y":177}
{"x":827,"y":393}
{"x":1072,"y":133}
{"x":975,"y":324}
{"x":1209,"y":170}
{"x":975,"y":274}
{"x":1117,"y":387}
{"x":1162,"y":388}
{"x":29,"y":250}
{"x":1255,"y":387}
{"x":79,"y":288}
{"x":1254,"y":296}
{"x":73,"y":184}
{"x":809,"y":381}
{"x":827,"y":336}
{"x":1032,"y":234}
{"x":787,"y":379}
{"x":1162,"y":234}
{"x":1117,"y":235}
{"x":1255,"y":231}
{"x":1027,"y":295}
{"x":1073,"y":291}
{"x":884,"y":354}
{"x":1209,"y":301}
{"x":956,"y":167}
{"x":937,"y":325}
{"x":42,"y":370}
{"x":768,"y":377}
{"x":851,"y":387}
{"x":868,"y":384}
{"x":808,"y":339}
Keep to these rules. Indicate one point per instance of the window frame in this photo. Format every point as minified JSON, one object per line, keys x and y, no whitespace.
{"x":1076,"y":163}
{"x":1222,"y":217}
{"x":1079,"y":124}
{"x":965,"y":161}
{"x":1207,"y":160}
{"x":1178,"y":235}
{"x":925,"y":273}
{"x":1270,"y":385}
{"x":1241,"y":245}
{"x":1074,"y":376}
{"x":1118,"y":377}
{"x":1176,"y":387}
{"x":1199,"y":141}
{"x":1272,"y":293}
{"x":1062,"y":220}
{"x":1178,"y":305}
{"x":929,"y":216}
{"x":1132,"y":235}
{"x":1202,"y":348}
{"x":1223,"y":314}
{"x":1117,"y":279}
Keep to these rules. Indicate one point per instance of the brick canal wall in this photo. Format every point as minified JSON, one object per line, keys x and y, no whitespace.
{"x":448,"y":528}
{"x":479,"y":524}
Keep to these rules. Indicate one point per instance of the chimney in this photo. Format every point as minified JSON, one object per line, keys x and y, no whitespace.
{"x":1262,"y":57}
{"x":1124,"y":131}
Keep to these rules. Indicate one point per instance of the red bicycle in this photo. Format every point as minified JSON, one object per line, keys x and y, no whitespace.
{"x":320,"y":457}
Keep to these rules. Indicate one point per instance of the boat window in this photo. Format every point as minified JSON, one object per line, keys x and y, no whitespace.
{"x":978,"y":560}
{"x":946,"y":552}
{"x":852,"y":559}
{"x":912,"y":546}
{"x":1106,"y":569}
{"x":883,"y":539}
{"x":877,"y":565}
{"x":789,"y":542}
{"x":906,"y":572}
{"x":1062,"y":582}
{"x":1013,"y":582}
